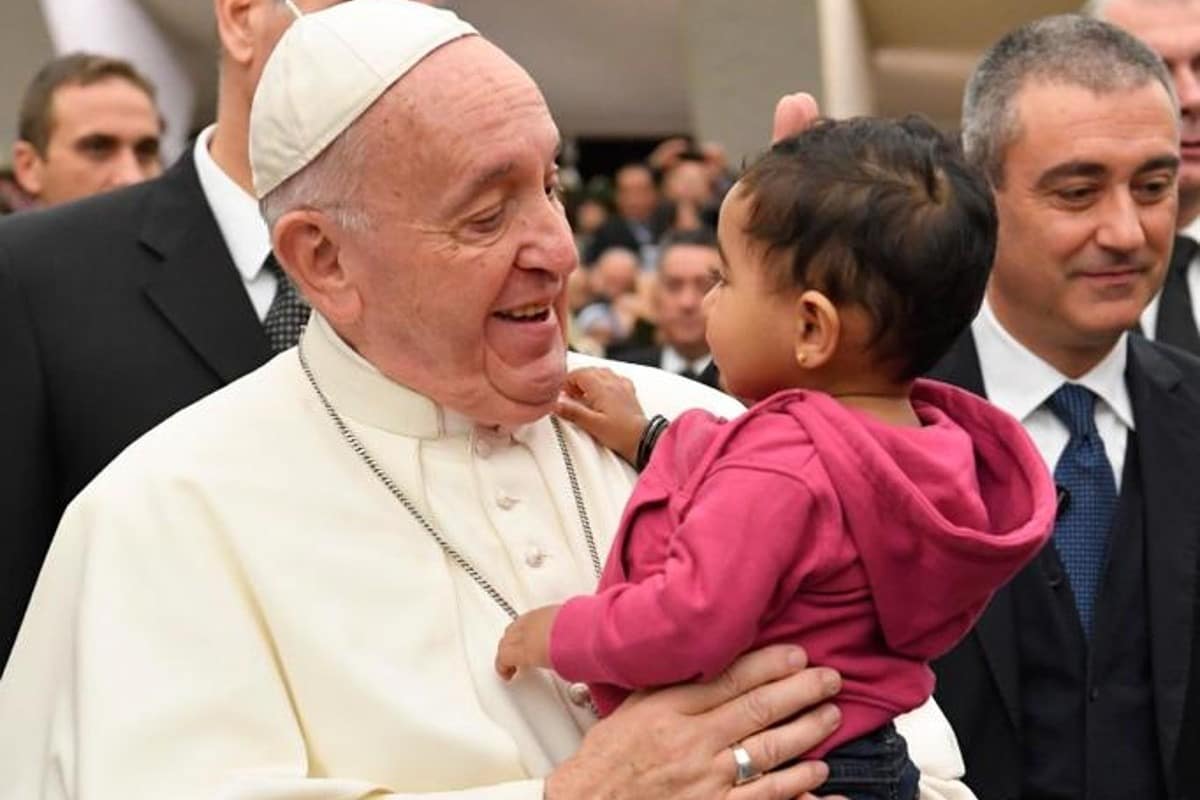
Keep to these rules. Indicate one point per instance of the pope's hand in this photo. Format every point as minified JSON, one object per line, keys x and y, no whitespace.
{"x":676,"y":742}
{"x":794,"y":114}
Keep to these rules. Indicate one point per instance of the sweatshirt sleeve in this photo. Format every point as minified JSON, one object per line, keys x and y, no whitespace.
{"x":748,"y":531}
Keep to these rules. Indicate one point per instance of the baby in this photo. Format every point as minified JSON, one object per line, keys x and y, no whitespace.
{"x":855,"y":508}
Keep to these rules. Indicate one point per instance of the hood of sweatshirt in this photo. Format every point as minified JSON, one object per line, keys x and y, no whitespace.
{"x":956,"y":506}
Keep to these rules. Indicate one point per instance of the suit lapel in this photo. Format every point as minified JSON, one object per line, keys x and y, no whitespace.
{"x":709,"y":376}
{"x":960,"y":366}
{"x":1176,"y":320}
{"x":1169,"y":450}
{"x":996,"y":629}
{"x":196,"y":286}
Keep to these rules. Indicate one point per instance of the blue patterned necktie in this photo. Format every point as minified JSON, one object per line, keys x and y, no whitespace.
{"x":288,"y":313}
{"x":1082,"y":529}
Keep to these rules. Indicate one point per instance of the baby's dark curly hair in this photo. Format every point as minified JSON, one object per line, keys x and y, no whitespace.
{"x":882,"y":214}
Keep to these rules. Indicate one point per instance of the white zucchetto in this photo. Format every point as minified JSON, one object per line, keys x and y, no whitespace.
{"x":328,"y":68}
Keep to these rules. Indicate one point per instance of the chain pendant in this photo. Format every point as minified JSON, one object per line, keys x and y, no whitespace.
{"x":450,"y":551}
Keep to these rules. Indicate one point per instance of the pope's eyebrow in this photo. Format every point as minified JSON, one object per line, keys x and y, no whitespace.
{"x":489,"y":176}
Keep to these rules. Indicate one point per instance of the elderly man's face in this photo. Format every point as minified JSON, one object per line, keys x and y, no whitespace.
{"x":1173,"y":31}
{"x":463,"y":277}
{"x":1087,"y":214}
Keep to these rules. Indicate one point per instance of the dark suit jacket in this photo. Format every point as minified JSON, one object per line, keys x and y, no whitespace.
{"x":652,"y":357}
{"x":978,"y":685}
{"x":1176,"y":324}
{"x":115,"y":312}
{"x":617,"y":233}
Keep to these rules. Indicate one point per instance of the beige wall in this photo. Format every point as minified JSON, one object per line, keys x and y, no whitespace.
{"x":741,"y":57}
{"x":24,"y":45}
{"x":657,"y":67}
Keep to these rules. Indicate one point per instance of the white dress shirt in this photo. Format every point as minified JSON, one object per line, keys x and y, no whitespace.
{"x":674,"y":362}
{"x":1149,"y":317}
{"x":1019,"y":382}
{"x":241,"y":224}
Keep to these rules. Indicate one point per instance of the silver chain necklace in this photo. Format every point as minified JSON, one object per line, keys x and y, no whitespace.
{"x":458,"y":558}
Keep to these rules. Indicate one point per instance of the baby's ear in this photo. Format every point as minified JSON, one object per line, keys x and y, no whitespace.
{"x":818,"y":328}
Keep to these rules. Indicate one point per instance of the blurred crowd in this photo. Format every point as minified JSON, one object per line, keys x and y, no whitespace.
{"x":648,"y":254}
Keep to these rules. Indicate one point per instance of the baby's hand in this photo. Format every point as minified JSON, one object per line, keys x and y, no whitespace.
{"x":605,"y":405}
{"x":526,"y":642}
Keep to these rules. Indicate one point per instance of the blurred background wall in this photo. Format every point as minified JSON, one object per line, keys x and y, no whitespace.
{"x":612,"y":70}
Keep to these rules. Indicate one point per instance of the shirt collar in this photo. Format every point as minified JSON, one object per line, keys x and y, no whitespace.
{"x":1019,"y":382}
{"x":238,"y":217}
{"x":359,"y":391}
{"x":1192,"y":231}
{"x":673,"y":361}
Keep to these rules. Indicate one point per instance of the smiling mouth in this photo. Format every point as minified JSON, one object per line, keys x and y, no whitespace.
{"x":530,"y":313}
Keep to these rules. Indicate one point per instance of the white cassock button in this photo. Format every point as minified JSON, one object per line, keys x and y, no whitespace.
{"x":534,"y":557}
{"x":580,"y":695}
{"x":483,"y":447}
{"x":505,"y":501}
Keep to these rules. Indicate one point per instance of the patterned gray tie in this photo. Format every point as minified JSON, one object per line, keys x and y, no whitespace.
{"x":288,"y":313}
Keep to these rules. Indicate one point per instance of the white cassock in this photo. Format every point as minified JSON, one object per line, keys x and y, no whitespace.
{"x":237,"y":608}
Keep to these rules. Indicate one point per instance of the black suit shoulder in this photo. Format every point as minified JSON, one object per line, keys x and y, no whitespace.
{"x":1155,"y":355}
{"x":115,"y":312}
{"x":114,"y":211}
{"x":650,"y":356}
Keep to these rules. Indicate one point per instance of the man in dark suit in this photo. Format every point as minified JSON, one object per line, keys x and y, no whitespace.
{"x":1173,"y":31}
{"x":1073,"y":683}
{"x":119,"y":310}
{"x":640,"y":219}
{"x":688,"y":264}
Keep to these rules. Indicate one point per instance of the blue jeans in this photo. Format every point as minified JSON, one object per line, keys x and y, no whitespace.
{"x":874,"y":766}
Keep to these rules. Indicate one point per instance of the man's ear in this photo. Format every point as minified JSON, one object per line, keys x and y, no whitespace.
{"x":308,"y":248}
{"x":235,"y":29}
{"x":818,"y":329}
{"x":27,"y":166}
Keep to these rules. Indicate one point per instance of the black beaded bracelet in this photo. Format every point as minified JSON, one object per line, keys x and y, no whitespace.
{"x":654,"y":429}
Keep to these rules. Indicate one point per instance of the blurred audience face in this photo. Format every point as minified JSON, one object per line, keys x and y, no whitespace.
{"x":615,"y":273}
{"x":85,"y":133}
{"x":686,"y":273}
{"x":590,"y":217}
{"x":1086,"y":216}
{"x":689,"y":182}
{"x":636,"y":195}
{"x":1172,"y":29}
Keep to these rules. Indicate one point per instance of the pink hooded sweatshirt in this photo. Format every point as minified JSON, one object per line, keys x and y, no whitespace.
{"x":874,"y":546}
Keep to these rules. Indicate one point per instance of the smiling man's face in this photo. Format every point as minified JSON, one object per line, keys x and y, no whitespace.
{"x":1087,"y":216}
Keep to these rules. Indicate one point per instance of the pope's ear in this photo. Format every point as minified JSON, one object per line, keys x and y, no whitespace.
{"x":307,"y":247}
{"x":818,"y":329}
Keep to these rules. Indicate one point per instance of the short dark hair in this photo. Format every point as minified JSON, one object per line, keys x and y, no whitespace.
{"x":703,"y":236}
{"x":1068,"y":49}
{"x":883,"y":214}
{"x":35,"y":120}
